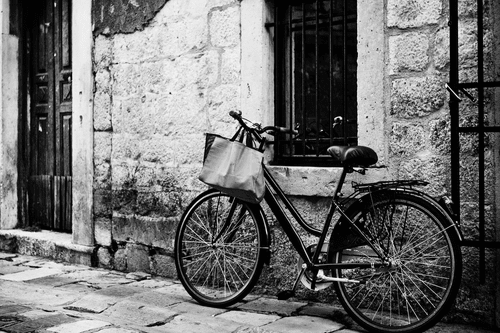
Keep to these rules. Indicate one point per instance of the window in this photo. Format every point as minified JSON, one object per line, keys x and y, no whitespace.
{"x":315,"y":78}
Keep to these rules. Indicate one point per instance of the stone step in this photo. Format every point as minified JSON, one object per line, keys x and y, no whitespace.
{"x":48,"y":244}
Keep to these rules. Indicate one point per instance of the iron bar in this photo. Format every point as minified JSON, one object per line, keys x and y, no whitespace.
{"x":291,"y":75}
{"x":303,"y":51}
{"x":277,"y":76}
{"x":330,"y":52}
{"x":480,"y":77}
{"x":344,"y":73}
{"x":316,"y":65}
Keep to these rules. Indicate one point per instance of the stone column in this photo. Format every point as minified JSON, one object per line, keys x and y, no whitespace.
{"x":83,"y":134}
{"x":9,"y":114}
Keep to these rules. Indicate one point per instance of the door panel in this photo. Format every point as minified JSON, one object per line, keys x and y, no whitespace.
{"x":50,"y":183}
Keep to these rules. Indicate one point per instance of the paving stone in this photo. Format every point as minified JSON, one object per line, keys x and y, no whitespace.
{"x":303,"y":324}
{"x":79,"y":326}
{"x":7,"y":256}
{"x":92,"y":303}
{"x":138,"y":276}
{"x":36,"y":294}
{"x":35,"y":314}
{"x":271,"y":305}
{"x":140,"y":314}
{"x":191,"y":324}
{"x":117,"y":330}
{"x":320,"y":310}
{"x":87,"y":275}
{"x":39,"y":324}
{"x":6,"y":321}
{"x":153,"y":283}
{"x":31,"y":274}
{"x":175,"y":290}
{"x":6,"y":269}
{"x":154,"y":298}
{"x":6,"y":310}
{"x":253,"y":329}
{"x":119,"y":291}
{"x":191,"y":308}
{"x":249,"y":318}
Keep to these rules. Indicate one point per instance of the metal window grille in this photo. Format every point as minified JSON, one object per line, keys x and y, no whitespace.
{"x":315,"y":78}
{"x":477,"y":122}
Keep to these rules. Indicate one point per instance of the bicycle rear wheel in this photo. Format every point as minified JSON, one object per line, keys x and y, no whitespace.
{"x":421,"y":280}
{"x":219,"y":249}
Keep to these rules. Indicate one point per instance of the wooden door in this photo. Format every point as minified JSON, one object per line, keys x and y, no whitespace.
{"x":50,"y":181}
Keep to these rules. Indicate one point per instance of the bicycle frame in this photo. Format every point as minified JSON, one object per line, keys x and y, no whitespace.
{"x":311,"y":261}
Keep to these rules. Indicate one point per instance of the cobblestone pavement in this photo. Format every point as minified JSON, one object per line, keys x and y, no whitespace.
{"x":40,"y":295}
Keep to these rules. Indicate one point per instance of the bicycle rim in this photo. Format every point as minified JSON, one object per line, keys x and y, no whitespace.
{"x":423,"y":277}
{"x":218,"y":249}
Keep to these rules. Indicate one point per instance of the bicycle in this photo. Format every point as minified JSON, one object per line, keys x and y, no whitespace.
{"x":393,"y":256}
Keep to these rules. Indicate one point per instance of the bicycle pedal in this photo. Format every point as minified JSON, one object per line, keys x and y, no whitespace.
{"x":285,"y":294}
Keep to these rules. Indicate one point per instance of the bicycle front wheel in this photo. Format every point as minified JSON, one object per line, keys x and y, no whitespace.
{"x":422,"y":274}
{"x":219,"y":249}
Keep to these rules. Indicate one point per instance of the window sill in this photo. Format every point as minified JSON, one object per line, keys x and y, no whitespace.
{"x":306,"y":181}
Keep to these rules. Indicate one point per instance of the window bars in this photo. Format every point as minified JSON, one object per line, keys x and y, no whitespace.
{"x":477,"y":122}
{"x":315,"y":78}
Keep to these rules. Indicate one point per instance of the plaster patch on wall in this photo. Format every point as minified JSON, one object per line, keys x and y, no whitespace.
{"x":118,"y":16}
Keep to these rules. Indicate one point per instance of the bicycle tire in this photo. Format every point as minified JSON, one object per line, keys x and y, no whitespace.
{"x":218,"y":266}
{"x":420,"y":285}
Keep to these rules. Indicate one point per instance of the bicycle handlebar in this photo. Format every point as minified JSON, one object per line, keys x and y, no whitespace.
{"x":268,"y":129}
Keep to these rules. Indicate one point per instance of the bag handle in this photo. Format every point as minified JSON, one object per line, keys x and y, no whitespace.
{"x":238,"y":133}
{"x":242,"y":133}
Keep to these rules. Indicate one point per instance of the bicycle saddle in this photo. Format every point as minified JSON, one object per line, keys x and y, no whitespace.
{"x":353,"y":155}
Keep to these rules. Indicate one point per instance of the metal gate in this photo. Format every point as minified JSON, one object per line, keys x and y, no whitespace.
{"x":475,"y":119}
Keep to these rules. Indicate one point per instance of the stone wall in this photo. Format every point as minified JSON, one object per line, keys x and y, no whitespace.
{"x":419,"y":123}
{"x":162,"y":82}
{"x":157,"y":91}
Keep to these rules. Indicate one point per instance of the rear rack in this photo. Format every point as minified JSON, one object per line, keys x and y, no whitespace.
{"x":367,"y":187}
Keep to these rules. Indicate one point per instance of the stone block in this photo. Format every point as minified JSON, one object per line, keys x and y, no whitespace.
{"x":102,"y":112}
{"x":442,"y":48}
{"x":103,"y":83}
{"x":102,"y":147}
{"x":102,"y":203}
{"x":120,"y":260}
{"x":467,"y":40}
{"x":157,"y":232}
{"x":407,"y":139}
{"x":103,"y":54}
{"x":137,"y":258}
{"x":408,"y":52}
{"x":417,"y":96}
{"x":224,"y":27}
{"x":163,"y":265}
{"x":104,"y":258}
{"x":430,"y":169}
{"x":440,"y":135}
{"x":8,"y":243}
{"x":102,"y":176}
{"x":231,"y":66}
{"x":306,"y":181}
{"x":102,"y":231}
{"x":219,"y":3}
{"x":413,"y":13}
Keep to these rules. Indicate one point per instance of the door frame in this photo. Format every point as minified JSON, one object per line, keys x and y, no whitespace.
{"x":12,"y":131}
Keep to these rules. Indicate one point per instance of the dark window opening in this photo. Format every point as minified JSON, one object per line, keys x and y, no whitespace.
{"x":315,"y":78}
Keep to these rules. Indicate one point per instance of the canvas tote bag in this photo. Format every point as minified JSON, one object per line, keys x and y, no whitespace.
{"x":234,"y":168}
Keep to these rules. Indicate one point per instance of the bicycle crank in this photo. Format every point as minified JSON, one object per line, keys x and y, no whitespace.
{"x":306,"y":278}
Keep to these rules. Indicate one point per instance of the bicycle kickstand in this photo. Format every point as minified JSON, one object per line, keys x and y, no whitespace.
{"x":286,"y":294}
